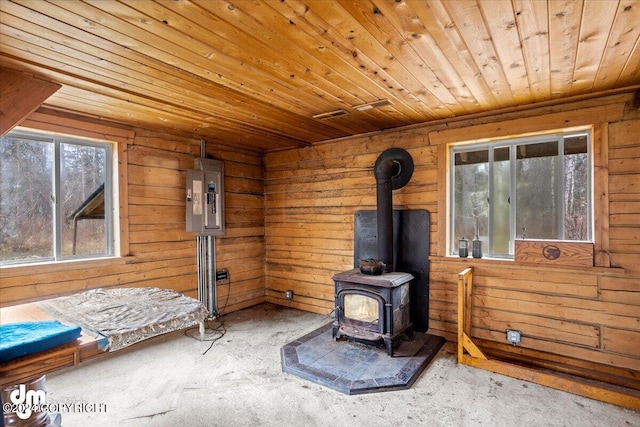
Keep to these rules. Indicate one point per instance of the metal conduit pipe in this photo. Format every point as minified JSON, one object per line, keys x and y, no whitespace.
{"x":206,"y":259}
{"x":211,"y":277}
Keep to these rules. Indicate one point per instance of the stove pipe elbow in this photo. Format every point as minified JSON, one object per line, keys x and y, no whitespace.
{"x":393,"y":170}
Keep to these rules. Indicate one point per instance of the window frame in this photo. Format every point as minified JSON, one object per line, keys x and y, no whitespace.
{"x":112,"y":192}
{"x":512,"y":143}
{"x":595,"y":115}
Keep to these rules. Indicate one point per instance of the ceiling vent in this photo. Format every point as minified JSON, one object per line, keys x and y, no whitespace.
{"x":330,"y":115}
{"x":375,"y":104}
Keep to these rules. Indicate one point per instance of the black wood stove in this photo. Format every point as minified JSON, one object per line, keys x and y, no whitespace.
{"x":372,"y":309}
{"x":376,"y":308}
{"x":378,"y":303}
{"x":385,"y":297}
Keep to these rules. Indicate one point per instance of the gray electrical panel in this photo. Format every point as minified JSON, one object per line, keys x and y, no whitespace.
{"x":205,"y":197}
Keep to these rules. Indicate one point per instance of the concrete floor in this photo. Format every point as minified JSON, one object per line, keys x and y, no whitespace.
{"x":239,"y":382}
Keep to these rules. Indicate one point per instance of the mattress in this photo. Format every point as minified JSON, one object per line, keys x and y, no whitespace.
{"x":121,"y":317}
{"x":23,"y":338}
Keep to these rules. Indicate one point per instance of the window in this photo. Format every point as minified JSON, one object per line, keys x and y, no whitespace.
{"x":55,"y":198}
{"x":535,"y":188}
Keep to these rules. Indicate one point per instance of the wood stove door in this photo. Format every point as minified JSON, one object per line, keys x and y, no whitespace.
{"x":361,"y":311}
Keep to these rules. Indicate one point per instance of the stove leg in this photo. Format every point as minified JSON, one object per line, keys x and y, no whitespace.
{"x":388,"y":342}
{"x":409,"y":333}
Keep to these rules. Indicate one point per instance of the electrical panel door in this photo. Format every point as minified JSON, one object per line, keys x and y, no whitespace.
{"x":205,"y":198}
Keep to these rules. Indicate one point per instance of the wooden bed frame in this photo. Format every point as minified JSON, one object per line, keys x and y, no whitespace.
{"x":32,"y":366}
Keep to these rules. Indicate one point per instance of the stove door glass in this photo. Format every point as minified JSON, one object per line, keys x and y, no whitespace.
{"x":361,"y":308}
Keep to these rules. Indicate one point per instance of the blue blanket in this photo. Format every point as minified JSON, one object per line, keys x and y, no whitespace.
{"x":20,"y":339}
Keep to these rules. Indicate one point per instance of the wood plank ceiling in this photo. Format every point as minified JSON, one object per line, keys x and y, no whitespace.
{"x":254,"y":73}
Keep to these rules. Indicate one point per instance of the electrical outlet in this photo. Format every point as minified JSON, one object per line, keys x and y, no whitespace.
{"x":288,"y":295}
{"x":513,"y":336}
{"x":222,"y":277}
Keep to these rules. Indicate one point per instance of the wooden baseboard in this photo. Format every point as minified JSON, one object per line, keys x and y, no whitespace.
{"x":603,"y":392}
{"x":535,"y":359}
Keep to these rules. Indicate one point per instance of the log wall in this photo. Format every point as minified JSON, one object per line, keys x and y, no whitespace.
{"x":297,"y":210}
{"x":156,"y":249}
{"x":573,"y":315}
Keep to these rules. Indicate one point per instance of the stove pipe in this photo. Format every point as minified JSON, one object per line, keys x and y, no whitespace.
{"x":393,"y":170}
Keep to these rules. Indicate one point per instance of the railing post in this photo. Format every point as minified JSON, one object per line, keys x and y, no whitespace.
{"x":465,"y":290}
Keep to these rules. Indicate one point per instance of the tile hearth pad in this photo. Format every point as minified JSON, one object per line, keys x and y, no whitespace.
{"x":354,"y":368}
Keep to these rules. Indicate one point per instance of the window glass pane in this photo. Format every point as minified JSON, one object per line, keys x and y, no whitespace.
{"x":537,"y":198}
{"x":26,"y":208}
{"x":82,"y":176}
{"x":576,"y":190}
{"x":471,"y":195}
{"x":576,"y":144}
{"x":501,"y":205}
{"x":471,"y":157}
{"x":543,"y":149}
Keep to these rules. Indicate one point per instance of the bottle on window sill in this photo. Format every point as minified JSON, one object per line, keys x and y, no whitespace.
{"x":463,"y":248}
{"x":476,"y":247}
